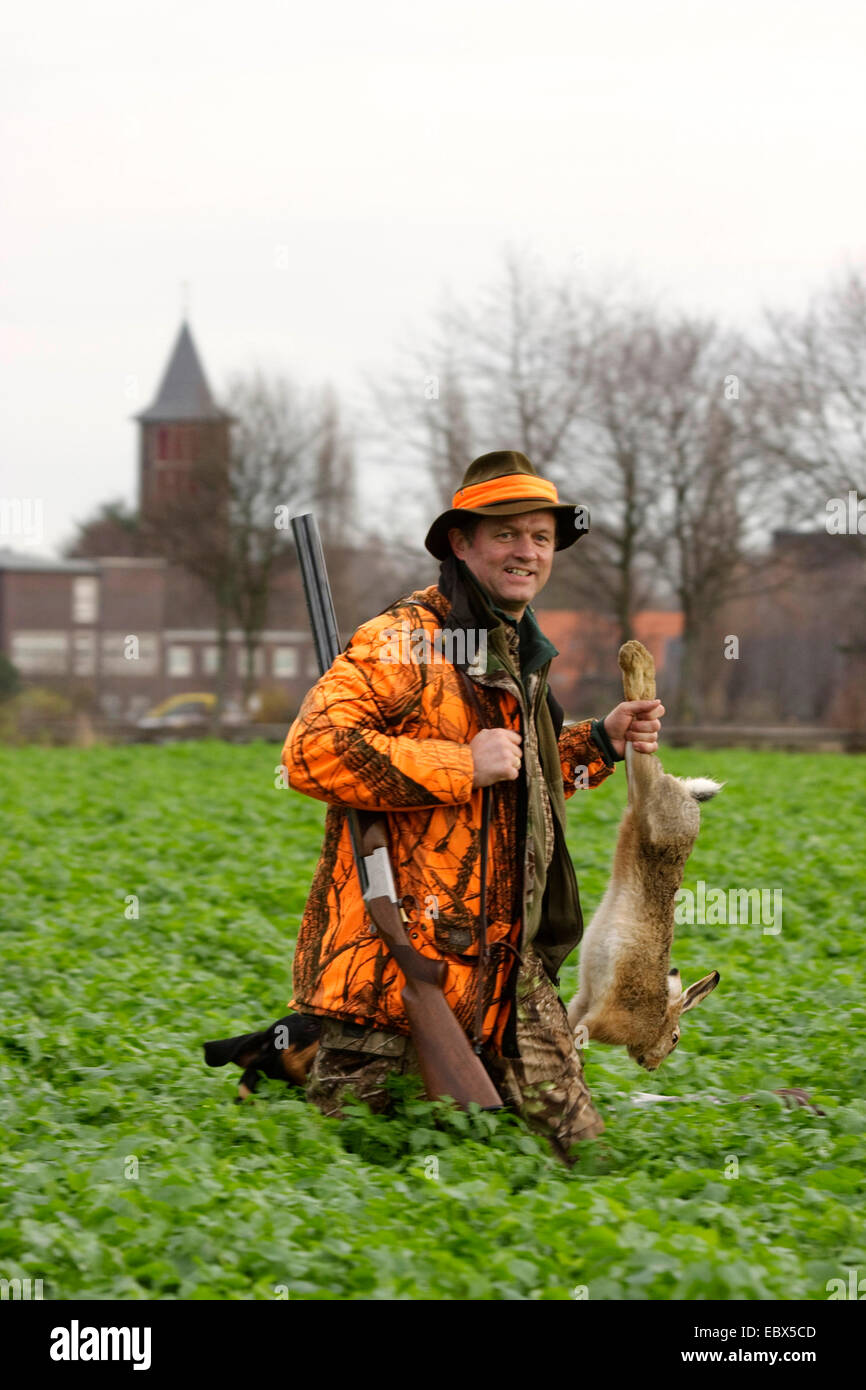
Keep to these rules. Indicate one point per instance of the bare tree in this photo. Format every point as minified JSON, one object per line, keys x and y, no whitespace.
{"x":333,"y":480}
{"x":632,"y":411}
{"x":506,"y":371}
{"x":701,"y":457}
{"x":615,"y":439}
{"x":113,"y":530}
{"x":810,"y":398}
{"x":421,"y":411}
{"x":274,"y":471}
{"x":530,"y":343}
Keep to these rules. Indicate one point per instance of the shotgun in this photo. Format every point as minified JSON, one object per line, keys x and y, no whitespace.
{"x":449,"y":1067}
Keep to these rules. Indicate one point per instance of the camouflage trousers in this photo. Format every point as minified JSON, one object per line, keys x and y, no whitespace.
{"x":545,"y":1084}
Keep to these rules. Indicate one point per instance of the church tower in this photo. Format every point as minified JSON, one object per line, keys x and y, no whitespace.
{"x":182,"y":428}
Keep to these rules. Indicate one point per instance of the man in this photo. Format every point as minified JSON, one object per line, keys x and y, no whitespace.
{"x":442,"y":695}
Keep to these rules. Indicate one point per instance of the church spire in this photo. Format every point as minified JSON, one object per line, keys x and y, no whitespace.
{"x":184,"y":393}
{"x":182,"y":432}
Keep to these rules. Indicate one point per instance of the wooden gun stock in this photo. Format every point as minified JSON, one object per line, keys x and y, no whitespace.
{"x":448,"y":1065}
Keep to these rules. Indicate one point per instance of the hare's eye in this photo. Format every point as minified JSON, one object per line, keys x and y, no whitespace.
{"x":676,"y":1038}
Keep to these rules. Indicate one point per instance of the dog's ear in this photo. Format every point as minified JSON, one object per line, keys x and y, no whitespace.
{"x":241,"y":1049}
{"x":216,"y":1054}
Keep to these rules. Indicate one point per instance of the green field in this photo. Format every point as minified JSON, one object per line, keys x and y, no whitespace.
{"x":129,"y":1172}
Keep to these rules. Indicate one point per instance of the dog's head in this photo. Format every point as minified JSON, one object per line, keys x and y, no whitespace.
{"x":283,"y":1052}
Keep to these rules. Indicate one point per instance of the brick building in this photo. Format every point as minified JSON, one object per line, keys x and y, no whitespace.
{"x":67,"y":624}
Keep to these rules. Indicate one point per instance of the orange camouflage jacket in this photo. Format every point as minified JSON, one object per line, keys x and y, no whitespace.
{"x":387,"y":728}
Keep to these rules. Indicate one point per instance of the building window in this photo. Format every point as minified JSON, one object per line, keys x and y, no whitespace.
{"x":258,"y":661}
{"x":162,"y":444}
{"x":210,"y":660}
{"x":84,"y":653}
{"x":85,"y":599}
{"x":40,"y":653}
{"x":179,"y":661}
{"x":285,"y":661}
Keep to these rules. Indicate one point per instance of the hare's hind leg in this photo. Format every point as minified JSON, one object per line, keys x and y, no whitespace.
{"x":638,"y":683}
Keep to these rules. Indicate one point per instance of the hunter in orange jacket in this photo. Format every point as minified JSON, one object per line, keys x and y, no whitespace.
{"x":388,"y":728}
{"x":443,"y":695}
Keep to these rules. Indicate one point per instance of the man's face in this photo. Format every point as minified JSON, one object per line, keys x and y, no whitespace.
{"x":510,"y":555}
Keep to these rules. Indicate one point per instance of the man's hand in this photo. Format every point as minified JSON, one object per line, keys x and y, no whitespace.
{"x":635,"y":721}
{"x":497,"y":756}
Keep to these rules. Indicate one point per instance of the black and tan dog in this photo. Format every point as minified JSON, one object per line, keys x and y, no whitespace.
{"x":284,"y":1052}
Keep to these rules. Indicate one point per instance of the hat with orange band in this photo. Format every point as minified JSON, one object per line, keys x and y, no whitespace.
{"x":505,"y":484}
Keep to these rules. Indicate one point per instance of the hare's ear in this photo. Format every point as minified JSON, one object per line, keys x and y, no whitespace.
{"x":698,"y":991}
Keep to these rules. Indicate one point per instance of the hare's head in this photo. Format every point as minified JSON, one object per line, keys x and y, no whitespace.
{"x":657,"y":1049}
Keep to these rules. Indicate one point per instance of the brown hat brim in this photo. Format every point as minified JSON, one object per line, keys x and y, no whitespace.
{"x":572,"y":522}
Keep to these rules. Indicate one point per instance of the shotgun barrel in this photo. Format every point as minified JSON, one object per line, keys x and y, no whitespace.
{"x":449,"y":1067}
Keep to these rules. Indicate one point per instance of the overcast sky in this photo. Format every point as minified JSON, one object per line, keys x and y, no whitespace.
{"x":319,"y":174}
